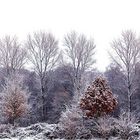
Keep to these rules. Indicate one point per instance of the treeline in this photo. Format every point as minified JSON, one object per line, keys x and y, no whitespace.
{"x":59,"y":78}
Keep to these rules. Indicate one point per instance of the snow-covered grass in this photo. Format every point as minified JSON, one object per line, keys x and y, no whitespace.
{"x":39,"y":131}
{"x":43,"y":131}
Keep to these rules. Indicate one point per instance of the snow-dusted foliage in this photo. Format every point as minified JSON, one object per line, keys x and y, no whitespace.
{"x":39,"y":131}
{"x":98,"y":99}
{"x":104,"y":126}
{"x":71,"y":122}
{"x":126,"y":129}
{"x":14,"y":100}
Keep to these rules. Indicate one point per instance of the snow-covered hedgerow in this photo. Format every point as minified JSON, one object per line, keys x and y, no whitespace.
{"x":105,"y":128}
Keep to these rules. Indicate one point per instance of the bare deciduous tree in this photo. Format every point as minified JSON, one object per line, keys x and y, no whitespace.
{"x":43,"y":54}
{"x":12,"y":55}
{"x":125,"y":54}
{"x":80,"y":52}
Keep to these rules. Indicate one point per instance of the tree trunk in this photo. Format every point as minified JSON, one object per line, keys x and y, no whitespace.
{"x":129,"y":101}
{"x":77,"y":86}
{"x":43,"y":104}
{"x":129,"y":94}
{"x":129,"y":107}
{"x":12,"y":121}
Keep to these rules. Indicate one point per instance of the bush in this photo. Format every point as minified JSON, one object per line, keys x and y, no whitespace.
{"x":70,"y":123}
{"x":126,"y":128}
{"x":104,"y":127}
{"x":4,"y":128}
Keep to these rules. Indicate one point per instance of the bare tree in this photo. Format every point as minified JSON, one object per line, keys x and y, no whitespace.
{"x":43,"y":54}
{"x":125,"y":54}
{"x":80,"y":52}
{"x":14,"y":100}
{"x":12,"y":55}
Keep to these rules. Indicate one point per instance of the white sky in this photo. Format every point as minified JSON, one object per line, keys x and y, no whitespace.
{"x":101,"y":19}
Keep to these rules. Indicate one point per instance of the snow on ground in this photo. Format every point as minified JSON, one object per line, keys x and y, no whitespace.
{"x":42,"y":131}
{"x":39,"y":131}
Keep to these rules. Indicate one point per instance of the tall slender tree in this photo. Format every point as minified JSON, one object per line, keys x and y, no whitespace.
{"x":126,"y":52}
{"x":80,"y":52}
{"x":43,"y":54}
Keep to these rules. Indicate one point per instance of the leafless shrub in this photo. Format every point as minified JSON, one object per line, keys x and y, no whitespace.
{"x":104,"y":126}
{"x":71,"y":122}
{"x":4,"y":128}
{"x":125,"y":127}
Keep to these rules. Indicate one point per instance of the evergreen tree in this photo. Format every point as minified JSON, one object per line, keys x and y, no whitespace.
{"x":98,"y":99}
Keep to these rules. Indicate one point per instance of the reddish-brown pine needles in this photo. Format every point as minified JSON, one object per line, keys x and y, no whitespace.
{"x":98,"y":99}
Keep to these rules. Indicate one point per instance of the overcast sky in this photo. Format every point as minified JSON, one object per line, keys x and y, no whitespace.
{"x":101,"y":19}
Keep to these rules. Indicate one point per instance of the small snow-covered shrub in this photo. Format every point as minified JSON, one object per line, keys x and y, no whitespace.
{"x":71,"y":124}
{"x":7,"y":130}
{"x":101,"y":127}
{"x":126,"y":128}
{"x":104,"y":126}
{"x":4,"y":128}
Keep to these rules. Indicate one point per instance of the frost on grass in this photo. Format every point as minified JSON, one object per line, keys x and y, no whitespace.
{"x":39,"y":131}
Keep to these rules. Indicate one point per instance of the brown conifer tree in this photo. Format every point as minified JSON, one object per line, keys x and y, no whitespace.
{"x":98,"y":99}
